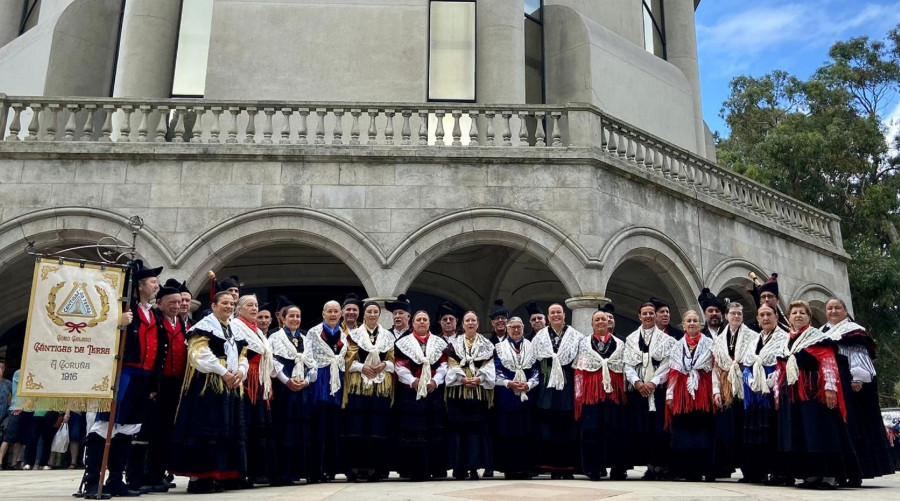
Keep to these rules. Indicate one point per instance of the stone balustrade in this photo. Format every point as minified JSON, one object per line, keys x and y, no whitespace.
{"x":208,"y":122}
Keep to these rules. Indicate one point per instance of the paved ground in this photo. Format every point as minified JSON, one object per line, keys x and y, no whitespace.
{"x":58,"y":485}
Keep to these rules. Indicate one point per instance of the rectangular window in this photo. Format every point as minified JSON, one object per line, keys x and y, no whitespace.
{"x":30,"y":13}
{"x":193,"y":49}
{"x":533,"y":8}
{"x":451,"y":51}
{"x":654,"y":28}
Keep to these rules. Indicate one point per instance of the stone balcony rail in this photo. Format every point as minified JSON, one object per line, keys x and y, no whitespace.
{"x":448,"y":125}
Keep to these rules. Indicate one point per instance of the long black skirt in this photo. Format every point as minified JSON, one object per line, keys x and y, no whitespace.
{"x":513,"y":434}
{"x":729,"y":423}
{"x":693,"y":444}
{"x":814,"y":440}
{"x":558,"y":440}
{"x":866,"y":428}
{"x":468,"y":437}
{"x":364,"y":439}
{"x":604,"y":442}
{"x":292,"y":420}
{"x":261,"y":449}
{"x":419,"y":426}
{"x":208,"y":440}
{"x":648,"y":441}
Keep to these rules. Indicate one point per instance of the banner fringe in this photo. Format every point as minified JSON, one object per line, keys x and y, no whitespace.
{"x":63,"y":404}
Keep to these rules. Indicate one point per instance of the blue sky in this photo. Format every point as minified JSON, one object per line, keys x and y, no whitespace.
{"x":755,"y":37}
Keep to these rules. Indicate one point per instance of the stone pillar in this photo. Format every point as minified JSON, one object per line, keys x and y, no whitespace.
{"x":681,"y":51}
{"x":10,"y":20}
{"x":147,"y":48}
{"x":500,"y":51}
{"x":583,"y":307}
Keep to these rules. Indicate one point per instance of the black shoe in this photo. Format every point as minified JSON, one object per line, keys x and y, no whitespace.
{"x":809,"y":485}
{"x":373,"y":477}
{"x":709,"y":478}
{"x":488,"y":474}
{"x":603,"y":473}
{"x":618,"y":474}
{"x":594,"y":477}
{"x":156,"y":488}
{"x":473,"y":475}
{"x":459,"y":474}
{"x":649,"y":475}
{"x":201,"y":486}
{"x":826,"y":486}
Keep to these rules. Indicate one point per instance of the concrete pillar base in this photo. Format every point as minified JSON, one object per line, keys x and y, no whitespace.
{"x":583,"y":307}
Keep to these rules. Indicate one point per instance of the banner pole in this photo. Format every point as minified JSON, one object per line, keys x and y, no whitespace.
{"x":136,"y":224}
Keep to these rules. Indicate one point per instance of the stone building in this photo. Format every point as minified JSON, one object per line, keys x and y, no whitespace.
{"x":469,"y":150}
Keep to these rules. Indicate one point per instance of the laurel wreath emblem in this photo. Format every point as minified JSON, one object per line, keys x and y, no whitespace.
{"x":51,"y":306}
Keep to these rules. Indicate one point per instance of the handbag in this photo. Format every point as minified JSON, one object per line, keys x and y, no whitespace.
{"x":60,"y":442}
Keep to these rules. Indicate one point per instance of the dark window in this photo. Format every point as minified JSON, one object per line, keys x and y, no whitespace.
{"x":534,"y":52}
{"x":451,"y":51}
{"x":30,"y":13}
{"x":654,"y":27}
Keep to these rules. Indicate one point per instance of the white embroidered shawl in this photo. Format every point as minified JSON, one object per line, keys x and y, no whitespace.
{"x":732,"y":367}
{"x":384,"y":342}
{"x":568,"y":349}
{"x":809,"y":337}
{"x":482,"y":349}
{"x":325,"y":357}
{"x":517,"y":362}
{"x":684,"y":362}
{"x":767,"y":357}
{"x":258,"y":343}
{"x":434,"y":349}
{"x":211,"y":324}
{"x":643,"y":363}
{"x":589,"y":360}
{"x":284,"y":348}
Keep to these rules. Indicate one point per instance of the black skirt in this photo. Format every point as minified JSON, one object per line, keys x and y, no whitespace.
{"x":693,"y":444}
{"x":420,"y":450}
{"x":648,"y":440}
{"x":292,"y":420}
{"x":513,"y":434}
{"x":604,"y":441}
{"x":468,"y":437}
{"x":364,"y":439}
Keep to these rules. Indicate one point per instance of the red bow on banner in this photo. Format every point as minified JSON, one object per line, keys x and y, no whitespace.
{"x":73,"y":327}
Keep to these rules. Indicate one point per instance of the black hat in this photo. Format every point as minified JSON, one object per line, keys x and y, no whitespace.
{"x":707,"y":299}
{"x":175,"y":284}
{"x":447,"y":308}
{"x":533,"y":309}
{"x":141,"y":272}
{"x":499,"y":310}
{"x":608,"y":307}
{"x":658,"y":303}
{"x":282,"y":302}
{"x":228,"y":283}
{"x":402,"y":303}
{"x":771,"y":285}
{"x":167,"y":291}
{"x":352,"y":298}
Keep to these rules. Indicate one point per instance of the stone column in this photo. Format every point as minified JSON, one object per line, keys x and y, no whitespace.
{"x":583,"y":307}
{"x":681,"y":51}
{"x":10,"y":20}
{"x":147,"y":48}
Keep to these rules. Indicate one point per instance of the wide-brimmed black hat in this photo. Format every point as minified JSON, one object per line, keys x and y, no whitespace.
{"x":352,"y":298}
{"x":533,"y":309}
{"x":282,"y":302}
{"x":658,"y":303}
{"x":167,"y":291}
{"x":228,"y":283}
{"x":499,"y":310}
{"x":402,"y":303}
{"x":141,"y":272}
{"x":608,"y":307}
{"x":447,"y":308}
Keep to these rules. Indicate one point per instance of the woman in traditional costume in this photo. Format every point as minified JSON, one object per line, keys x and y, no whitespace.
{"x":812,"y":414}
{"x":328,"y":344}
{"x":368,"y":395}
{"x":518,"y":373}
{"x":647,"y":369}
{"x":208,"y":441}
{"x":469,"y":393}
{"x":421,"y":367}
{"x":856,"y":350}
{"x":729,"y":349}
{"x":690,"y":395}
{"x":760,"y":459}
{"x":293,"y":402}
{"x":555,"y":347}
{"x":261,"y":468}
{"x":600,"y":401}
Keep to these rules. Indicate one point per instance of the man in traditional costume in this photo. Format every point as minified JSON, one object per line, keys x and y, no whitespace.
{"x":555,"y":347}
{"x":856,"y":351}
{"x":812,"y":430}
{"x":368,"y":394}
{"x":767,"y":294}
{"x":469,"y":394}
{"x":600,"y":401}
{"x":208,"y":441}
{"x":187,"y":306}
{"x":145,"y":350}
{"x":647,"y":369}
{"x":499,"y":315}
{"x":517,"y":374}
{"x":329,"y":348}
{"x":447,"y":318}
{"x":664,"y":318}
{"x":536,"y":319}
{"x":169,"y":304}
{"x":421,"y":366}
{"x":712,"y":311}
{"x":401,"y":309}
{"x":350,"y":311}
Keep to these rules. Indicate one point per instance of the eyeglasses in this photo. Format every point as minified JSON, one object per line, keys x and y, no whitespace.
{"x":767,"y":296}
{"x":516,"y":327}
{"x":448,"y":320}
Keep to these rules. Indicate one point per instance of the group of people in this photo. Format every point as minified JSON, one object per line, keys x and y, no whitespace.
{"x":233,"y":401}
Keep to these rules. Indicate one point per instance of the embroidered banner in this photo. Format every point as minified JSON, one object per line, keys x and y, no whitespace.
{"x":72,"y":336}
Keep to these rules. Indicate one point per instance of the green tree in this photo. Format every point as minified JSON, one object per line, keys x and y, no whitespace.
{"x":823,"y":141}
